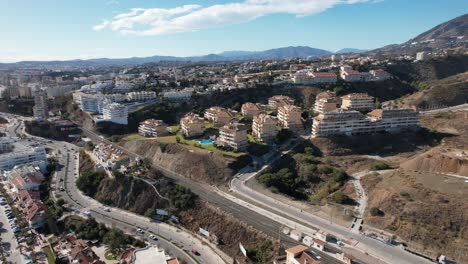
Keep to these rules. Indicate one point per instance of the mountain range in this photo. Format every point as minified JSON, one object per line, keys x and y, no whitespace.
{"x":452,"y":33}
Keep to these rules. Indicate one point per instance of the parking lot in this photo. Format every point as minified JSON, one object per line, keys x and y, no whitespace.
{"x":9,"y":242}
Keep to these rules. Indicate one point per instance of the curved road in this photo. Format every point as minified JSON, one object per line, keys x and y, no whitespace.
{"x":174,"y":240}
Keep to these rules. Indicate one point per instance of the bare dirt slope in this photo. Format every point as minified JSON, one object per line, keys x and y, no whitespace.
{"x":197,"y":164}
{"x":428,"y":211}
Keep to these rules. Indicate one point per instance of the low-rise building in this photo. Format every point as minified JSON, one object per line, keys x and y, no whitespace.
{"x":219,"y":116}
{"x":23,"y":155}
{"x":152,"y":128}
{"x":32,"y":207}
{"x":380,"y":75}
{"x":192,"y":125}
{"x":355,"y":76}
{"x":289,"y":117}
{"x":276,"y":101}
{"x":141,"y":96}
{"x":233,"y":136}
{"x":115,"y":113}
{"x":310,"y":77}
{"x":74,"y":250}
{"x":249,"y":110}
{"x":179,"y":96}
{"x":394,"y":120}
{"x":264,"y":127}
{"x":357,"y":101}
{"x":301,"y":255}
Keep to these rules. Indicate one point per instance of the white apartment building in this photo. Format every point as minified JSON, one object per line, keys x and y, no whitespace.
{"x":355,"y":123}
{"x":420,"y":56}
{"x":380,"y":75}
{"x":289,"y":117}
{"x":179,"y":96}
{"x":309,"y":77}
{"x":141,"y":96}
{"x":326,"y":102}
{"x":233,"y":136}
{"x":94,"y":103}
{"x":355,"y":76}
{"x":40,"y":109}
{"x":357,"y":101}
{"x":152,"y":128}
{"x":115,"y":113}
{"x":264,"y":127}
{"x":22,"y":155}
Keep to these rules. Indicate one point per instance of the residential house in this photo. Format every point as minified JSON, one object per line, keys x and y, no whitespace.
{"x":264,"y":127}
{"x":233,"y":136}
{"x":219,"y":116}
{"x":192,"y":125}
{"x":301,"y":255}
{"x":152,"y":128}
{"x":249,"y":110}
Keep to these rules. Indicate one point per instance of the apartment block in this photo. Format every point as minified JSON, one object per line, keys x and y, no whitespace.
{"x":289,"y":117}
{"x":276,"y":101}
{"x":179,"y":96}
{"x":115,"y":113}
{"x":23,"y":155}
{"x":357,"y":101}
{"x":310,"y":77}
{"x":141,"y":96}
{"x":40,"y":109}
{"x":380,"y":75}
{"x":326,"y":102}
{"x":192,"y":125}
{"x":355,"y":76}
{"x":219,"y":116}
{"x":355,"y":123}
{"x":264,"y":127}
{"x":152,"y":128}
{"x":233,"y":136}
{"x":249,"y":110}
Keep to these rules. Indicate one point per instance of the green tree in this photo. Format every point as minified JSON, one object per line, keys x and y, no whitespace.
{"x":115,"y":240}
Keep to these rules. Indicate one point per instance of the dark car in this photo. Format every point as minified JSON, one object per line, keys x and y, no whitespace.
{"x":195,"y":252}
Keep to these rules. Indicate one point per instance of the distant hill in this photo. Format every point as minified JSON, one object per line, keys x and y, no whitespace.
{"x":450,"y":34}
{"x":350,"y":50}
{"x":280,"y":53}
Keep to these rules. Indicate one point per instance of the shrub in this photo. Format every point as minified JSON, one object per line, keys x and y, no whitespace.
{"x":374,"y":211}
{"x":378,"y":165}
{"x":339,"y":197}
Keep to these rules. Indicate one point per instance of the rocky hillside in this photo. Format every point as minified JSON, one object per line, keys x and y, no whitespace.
{"x":445,"y":35}
{"x":439,"y":93}
{"x":441,"y":161}
{"x":197,"y":164}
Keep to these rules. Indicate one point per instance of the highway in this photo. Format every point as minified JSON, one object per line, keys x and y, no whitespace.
{"x":176,"y":241}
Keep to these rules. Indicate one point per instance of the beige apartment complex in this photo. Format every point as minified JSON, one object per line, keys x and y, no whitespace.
{"x":264,"y":127}
{"x":357,"y":101}
{"x":219,"y":116}
{"x":249,"y":110}
{"x":152,"y":128}
{"x":233,"y":136}
{"x":353,"y":122}
{"x":276,"y":101}
{"x":326,"y":102}
{"x":192,"y":125}
{"x":289,"y":117}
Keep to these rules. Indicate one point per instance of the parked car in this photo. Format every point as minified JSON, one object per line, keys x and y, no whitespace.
{"x":16,"y":230}
{"x":195,"y":252}
{"x":139,"y":230}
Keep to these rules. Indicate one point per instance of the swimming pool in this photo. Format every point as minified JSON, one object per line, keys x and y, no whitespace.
{"x":204,"y":141}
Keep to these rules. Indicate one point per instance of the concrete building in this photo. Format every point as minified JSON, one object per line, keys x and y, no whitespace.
{"x":141,"y":96}
{"x":264,"y":127}
{"x":249,"y":110}
{"x":115,"y":113}
{"x":219,"y":116}
{"x":289,"y":117}
{"x":420,"y":56}
{"x":152,"y":128}
{"x":355,"y":76}
{"x":23,"y":155}
{"x":326,"y":102}
{"x":301,"y":255}
{"x":311,"y":78}
{"x":355,"y":123}
{"x":192,"y":125}
{"x":357,"y":101}
{"x":276,"y":101}
{"x":380,"y":75}
{"x":40,"y":109}
{"x":179,"y":96}
{"x":233,"y":136}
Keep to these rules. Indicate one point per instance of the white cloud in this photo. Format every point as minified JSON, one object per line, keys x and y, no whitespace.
{"x":187,"y":18}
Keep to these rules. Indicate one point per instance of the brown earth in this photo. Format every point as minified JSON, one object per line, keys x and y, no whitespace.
{"x":193,"y":163}
{"x":427,"y":211}
{"x":441,"y":161}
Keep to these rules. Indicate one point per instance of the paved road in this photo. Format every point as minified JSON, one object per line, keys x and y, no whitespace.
{"x":447,"y":109}
{"x":176,"y":241}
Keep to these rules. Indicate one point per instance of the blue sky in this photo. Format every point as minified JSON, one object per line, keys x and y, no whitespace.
{"x":67,"y":29}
